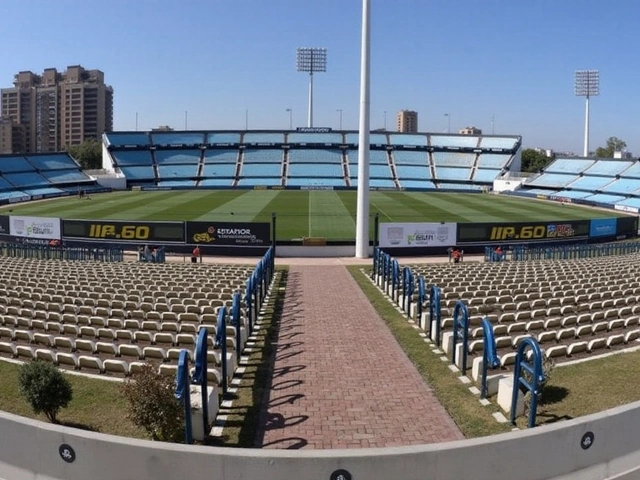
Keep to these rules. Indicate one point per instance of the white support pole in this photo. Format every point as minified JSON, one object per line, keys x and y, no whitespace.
{"x":362,"y":215}
{"x":586,"y":130}
{"x":310,"y":122}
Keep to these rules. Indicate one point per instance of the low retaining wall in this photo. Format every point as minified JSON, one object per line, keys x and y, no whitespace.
{"x":598,"y":446}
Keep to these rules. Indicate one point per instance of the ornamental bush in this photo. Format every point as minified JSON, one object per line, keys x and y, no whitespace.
{"x":45,"y":388}
{"x":153,"y":405}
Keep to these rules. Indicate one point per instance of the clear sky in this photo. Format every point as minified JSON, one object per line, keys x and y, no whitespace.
{"x":216,"y":59}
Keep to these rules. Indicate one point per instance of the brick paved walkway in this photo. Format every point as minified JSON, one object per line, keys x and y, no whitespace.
{"x":340,"y":380}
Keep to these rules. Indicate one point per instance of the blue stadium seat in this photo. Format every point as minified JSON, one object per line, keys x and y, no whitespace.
{"x":375,"y":171}
{"x":131,"y":157}
{"x":410,"y":157}
{"x":65,"y":176}
{"x":452,"y":173}
{"x":417,"y":140}
{"x":569,"y":165}
{"x":463,"y":141}
{"x":261,"y":170}
{"x":316,"y":182}
{"x":13,"y":194}
{"x":26,"y":179}
{"x":46,"y":191}
{"x":458,"y":186}
{"x":553,"y":180}
{"x":412,"y":172}
{"x":315,"y":155}
{"x":221,"y":156}
{"x":374,"y":139}
{"x":216,"y":182}
{"x":15,"y":164}
{"x":166,"y":172}
{"x":312,"y":137}
{"x":307,"y":170}
{"x":271,"y":182}
{"x":376,"y":157}
{"x":139,"y":173}
{"x":191,"y":156}
{"x":506,"y":143}
{"x":486,"y":175}
{"x":590,"y":183}
{"x":421,"y":184}
{"x":632,"y":172}
{"x":55,"y":161}
{"x":177,"y":138}
{"x":381,"y":183}
{"x":604,"y":198}
{"x":262,"y":155}
{"x":177,"y":183}
{"x":453,"y":159}
{"x":493,"y":160}
{"x":630,"y":202}
{"x":608,"y":167}
{"x":122,"y":139}
{"x":4,"y":185}
{"x":623,"y":186}
{"x":263,"y":137}
{"x":223,"y":138}
{"x":219,"y":170}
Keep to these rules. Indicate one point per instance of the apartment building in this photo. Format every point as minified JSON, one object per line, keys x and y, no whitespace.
{"x":407,"y":121}
{"x":59,"y":109}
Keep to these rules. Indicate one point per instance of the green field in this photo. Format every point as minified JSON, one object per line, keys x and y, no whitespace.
{"x":329,"y":214}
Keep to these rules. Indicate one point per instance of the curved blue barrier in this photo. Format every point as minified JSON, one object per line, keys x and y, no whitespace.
{"x":200,"y":374}
{"x":534,"y":368}
{"x":461,"y":332}
{"x":183,"y":393}
{"x":235,"y":321}
{"x":489,"y":354}
{"x":435,"y":312}
{"x":408,"y":287}
{"x":395,"y":280}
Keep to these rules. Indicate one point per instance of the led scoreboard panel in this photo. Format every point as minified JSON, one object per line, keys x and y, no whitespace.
{"x":522,"y":231}
{"x":114,"y":231}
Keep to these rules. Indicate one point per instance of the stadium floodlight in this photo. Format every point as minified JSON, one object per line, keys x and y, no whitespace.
{"x":587,"y":84}
{"x":362,"y":209}
{"x":311,"y":60}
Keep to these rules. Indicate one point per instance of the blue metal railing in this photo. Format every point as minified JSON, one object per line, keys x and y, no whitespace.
{"x":461,"y":332}
{"x":490,"y":358}
{"x":534,"y":368}
{"x":523,"y":253}
{"x":46,"y":252}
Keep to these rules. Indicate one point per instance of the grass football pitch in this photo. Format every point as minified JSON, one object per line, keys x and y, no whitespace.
{"x":314,"y":213}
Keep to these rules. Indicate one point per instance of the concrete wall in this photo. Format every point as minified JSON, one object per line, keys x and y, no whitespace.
{"x":29,"y":450}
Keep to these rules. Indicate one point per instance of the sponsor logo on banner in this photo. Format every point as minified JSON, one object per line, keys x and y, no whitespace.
{"x":625,"y":208}
{"x":417,"y":234}
{"x":35,"y":227}
{"x":253,"y":234}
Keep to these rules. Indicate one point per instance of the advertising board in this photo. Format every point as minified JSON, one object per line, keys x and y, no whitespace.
{"x":402,"y":235}
{"x":43,"y":228}
{"x":229,"y":233}
{"x":118,"y":231}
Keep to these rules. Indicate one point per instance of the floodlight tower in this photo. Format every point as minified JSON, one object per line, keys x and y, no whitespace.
{"x":311,"y":60}
{"x":587,"y":85}
{"x":362,"y":210}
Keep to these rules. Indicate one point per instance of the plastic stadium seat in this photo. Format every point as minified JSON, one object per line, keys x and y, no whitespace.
{"x":631,"y":336}
{"x":25,"y":351}
{"x":46,"y":355}
{"x":596,"y":344}
{"x":92,"y":363}
{"x":614,"y":340}
{"x":556,"y":351}
{"x":125,"y":350}
{"x":576,"y":347}
{"x":8,"y":348}
{"x":115,"y":366}
{"x":584,"y":330}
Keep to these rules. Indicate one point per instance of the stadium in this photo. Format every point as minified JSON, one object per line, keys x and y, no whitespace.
{"x":487,"y":326}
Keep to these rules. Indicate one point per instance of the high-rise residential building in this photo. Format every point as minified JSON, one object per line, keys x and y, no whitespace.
{"x":12,"y":137}
{"x":407,"y":121}
{"x":59,"y":109}
{"x":470,"y":131}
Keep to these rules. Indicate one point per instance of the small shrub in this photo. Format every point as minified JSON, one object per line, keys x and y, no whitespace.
{"x":45,"y":388}
{"x":548,"y":365}
{"x":153,"y":406}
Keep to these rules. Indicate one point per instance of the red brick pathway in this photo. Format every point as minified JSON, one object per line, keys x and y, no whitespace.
{"x":340,"y":379}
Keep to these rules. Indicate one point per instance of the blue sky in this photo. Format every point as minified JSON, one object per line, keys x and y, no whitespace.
{"x":473,"y":59}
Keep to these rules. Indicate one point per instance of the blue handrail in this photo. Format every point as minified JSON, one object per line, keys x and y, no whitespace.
{"x":200,"y":374}
{"x":461,"y":332}
{"x":183,"y":393}
{"x":422,"y":294}
{"x":534,"y":368}
{"x":435,"y":312}
{"x":489,"y":354}
{"x":408,"y":287}
{"x":221,"y":343}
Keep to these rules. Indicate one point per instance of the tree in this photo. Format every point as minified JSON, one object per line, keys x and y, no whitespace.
{"x":45,"y":388}
{"x":614,"y":144}
{"x":88,"y":154}
{"x":534,"y":160}
{"x":153,"y":405}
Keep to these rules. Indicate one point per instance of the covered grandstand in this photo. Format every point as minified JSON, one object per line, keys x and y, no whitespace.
{"x":303,"y":159}
{"x":36,"y":176}
{"x":614,"y":183}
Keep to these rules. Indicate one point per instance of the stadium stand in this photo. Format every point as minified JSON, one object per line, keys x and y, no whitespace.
{"x":573,"y":308}
{"x":308,"y":159}
{"x":41,"y":175}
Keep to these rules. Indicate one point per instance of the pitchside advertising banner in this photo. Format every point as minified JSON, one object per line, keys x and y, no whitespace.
{"x":119,"y":231}
{"x":522,"y":231}
{"x":4,"y":225}
{"x":603,"y":227}
{"x":402,"y":235}
{"x":229,"y":233}
{"x":40,"y":228}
